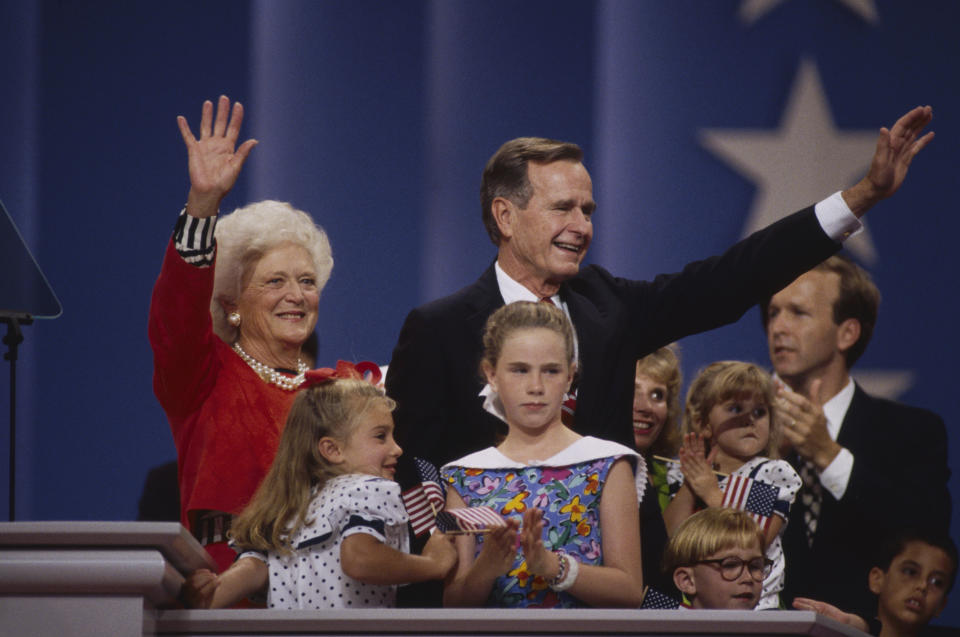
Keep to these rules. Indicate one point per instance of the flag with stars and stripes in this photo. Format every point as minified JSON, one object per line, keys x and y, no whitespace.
{"x":479,"y":519}
{"x":424,"y":500}
{"x":756,"y":498}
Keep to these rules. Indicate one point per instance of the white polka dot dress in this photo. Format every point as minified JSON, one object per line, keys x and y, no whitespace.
{"x":312,"y":578}
{"x":777,"y":473}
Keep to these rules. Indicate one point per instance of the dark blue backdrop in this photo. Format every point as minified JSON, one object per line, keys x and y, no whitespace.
{"x":378,"y":117}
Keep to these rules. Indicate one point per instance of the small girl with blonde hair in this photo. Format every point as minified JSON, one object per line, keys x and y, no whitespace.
{"x":729,"y":429}
{"x":327,"y":527}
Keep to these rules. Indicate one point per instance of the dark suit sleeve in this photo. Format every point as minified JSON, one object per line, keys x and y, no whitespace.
{"x":707,"y":293}
{"x":416,"y":381}
{"x":717,"y":291}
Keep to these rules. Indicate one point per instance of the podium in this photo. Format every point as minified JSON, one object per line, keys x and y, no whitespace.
{"x":120,"y":579}
{"x":91,"y":578}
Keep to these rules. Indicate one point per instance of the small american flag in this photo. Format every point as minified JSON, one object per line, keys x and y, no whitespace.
{"x":756,"y":498}
{"x":424,"y":500}
{"x":477,"y":519}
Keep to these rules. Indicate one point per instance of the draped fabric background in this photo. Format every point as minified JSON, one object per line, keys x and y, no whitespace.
{"x":699,"y":120}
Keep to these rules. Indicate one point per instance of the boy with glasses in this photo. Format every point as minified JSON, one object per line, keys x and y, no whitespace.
{"x":716,"y":557}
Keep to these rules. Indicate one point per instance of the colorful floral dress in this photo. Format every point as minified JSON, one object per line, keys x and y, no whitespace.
{"x":566,"y":487}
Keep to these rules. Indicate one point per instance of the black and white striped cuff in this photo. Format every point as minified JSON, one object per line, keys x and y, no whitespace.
{"x":193,"y":239}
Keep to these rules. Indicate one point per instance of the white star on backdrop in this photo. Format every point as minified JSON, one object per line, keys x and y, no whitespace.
{"x":753,"y":10}
{"x":886,"y":383}
{"x":802,"y":162}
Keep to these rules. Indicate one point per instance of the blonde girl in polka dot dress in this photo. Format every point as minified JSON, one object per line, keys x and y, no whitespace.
{"x":729,"y":428}
{"x":327,"y":527}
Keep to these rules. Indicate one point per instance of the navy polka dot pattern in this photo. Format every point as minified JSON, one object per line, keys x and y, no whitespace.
{"x":311,"y":578}
{"x":780,"y":474}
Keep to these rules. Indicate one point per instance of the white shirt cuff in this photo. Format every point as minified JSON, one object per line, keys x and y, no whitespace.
{"x":836,"y":476}
{"x":836,"y":219}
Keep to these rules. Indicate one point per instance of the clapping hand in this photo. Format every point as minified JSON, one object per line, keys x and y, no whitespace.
{"x":804,"y":424}
{"x":697,"y":467}
{"x":539,"y":560}
{"x":500,"y":547}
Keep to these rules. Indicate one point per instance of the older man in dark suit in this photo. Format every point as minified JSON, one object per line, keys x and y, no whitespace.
{"x":869,"y":465}
{"x":537,"y":205}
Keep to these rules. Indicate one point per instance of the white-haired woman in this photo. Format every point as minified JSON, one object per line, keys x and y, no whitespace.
{"x":234,"y":303}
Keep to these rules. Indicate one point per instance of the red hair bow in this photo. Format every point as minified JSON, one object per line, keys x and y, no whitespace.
{"x":345,"y":369}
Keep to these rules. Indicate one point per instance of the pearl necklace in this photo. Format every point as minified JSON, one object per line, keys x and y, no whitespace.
{"x":271,"y":375}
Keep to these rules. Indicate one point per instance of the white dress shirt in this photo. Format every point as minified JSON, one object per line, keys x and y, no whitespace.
{"x":837,"y":474}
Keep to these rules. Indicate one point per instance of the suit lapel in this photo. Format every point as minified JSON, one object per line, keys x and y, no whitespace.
{"x":483,"y":299}
{"x":852,"y":430}
{"x":587,"y":322}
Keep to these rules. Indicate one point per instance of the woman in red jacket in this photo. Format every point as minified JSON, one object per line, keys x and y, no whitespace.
{"x":234,"y":303}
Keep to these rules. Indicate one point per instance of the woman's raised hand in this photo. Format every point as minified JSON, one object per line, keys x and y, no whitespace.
{"x":214,"y":160}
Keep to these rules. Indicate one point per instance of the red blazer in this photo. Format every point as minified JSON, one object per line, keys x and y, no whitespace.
{"x":226,"y":421}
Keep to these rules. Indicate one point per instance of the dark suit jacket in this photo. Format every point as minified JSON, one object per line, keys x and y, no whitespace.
{"x":434,"y":373}
{"x":899,"y":479}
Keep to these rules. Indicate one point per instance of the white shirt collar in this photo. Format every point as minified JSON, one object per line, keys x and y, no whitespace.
{"x":513,"y":291}
{"x":836,"y":408}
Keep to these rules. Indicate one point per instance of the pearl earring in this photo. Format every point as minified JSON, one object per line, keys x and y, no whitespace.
{"x":233,"y":319}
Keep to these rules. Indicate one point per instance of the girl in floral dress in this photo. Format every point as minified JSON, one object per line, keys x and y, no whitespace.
{"x":556,"y":488}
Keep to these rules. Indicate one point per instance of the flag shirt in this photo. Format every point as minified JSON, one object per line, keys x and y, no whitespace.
{"x":311,"y":577}
{"x":567,"y":487}
{"x":776,"y":488}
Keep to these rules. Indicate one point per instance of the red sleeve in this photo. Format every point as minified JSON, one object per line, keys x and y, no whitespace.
{"x":181,"y":334}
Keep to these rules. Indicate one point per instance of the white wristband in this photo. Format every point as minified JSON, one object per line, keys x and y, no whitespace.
{"x":569,"y":569}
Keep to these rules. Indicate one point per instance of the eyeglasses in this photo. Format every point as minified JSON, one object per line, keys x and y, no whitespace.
{"x":731,"y":567}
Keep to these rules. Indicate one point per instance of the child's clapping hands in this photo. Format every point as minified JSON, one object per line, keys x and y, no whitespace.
{"x":697,"y":467}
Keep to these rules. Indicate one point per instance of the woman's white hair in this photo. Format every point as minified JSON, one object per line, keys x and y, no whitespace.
{"x":248,"y":233}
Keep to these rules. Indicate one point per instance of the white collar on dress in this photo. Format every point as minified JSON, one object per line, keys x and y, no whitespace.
{"x":581,"y":450}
